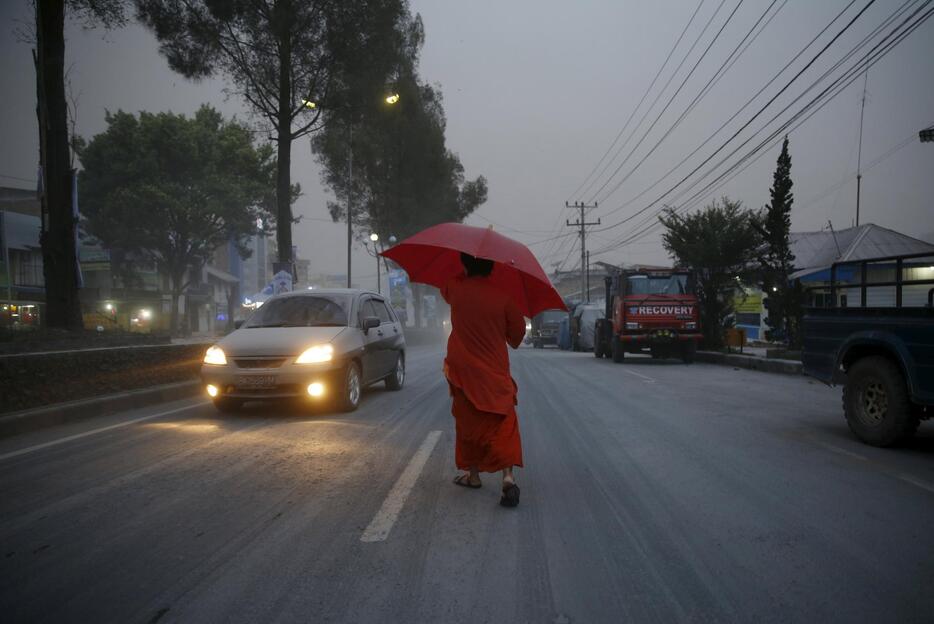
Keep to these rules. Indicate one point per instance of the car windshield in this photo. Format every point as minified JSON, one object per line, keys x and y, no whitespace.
{"x":302,"y":311}
{"x":645,"y":285}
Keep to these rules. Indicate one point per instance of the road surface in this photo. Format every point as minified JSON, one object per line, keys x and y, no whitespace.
{"x":652,"y":492}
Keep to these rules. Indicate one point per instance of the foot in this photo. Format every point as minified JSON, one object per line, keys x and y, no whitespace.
{"x":468,"y":480}
{"x":510,"y":496}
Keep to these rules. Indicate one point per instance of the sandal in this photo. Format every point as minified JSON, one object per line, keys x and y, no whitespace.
{"x":464,"y":481}
{"x":510,"y":497}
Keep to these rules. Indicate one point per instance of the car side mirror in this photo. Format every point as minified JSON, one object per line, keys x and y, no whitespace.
{"x":238,"y":324}
{"x":370,"y":322}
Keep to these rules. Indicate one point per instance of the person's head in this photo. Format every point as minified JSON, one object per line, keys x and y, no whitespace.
{"x":476,"y":267}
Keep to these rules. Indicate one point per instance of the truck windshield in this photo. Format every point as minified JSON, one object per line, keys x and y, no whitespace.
{"x":551,"y":316}
{"x":645,"y":285}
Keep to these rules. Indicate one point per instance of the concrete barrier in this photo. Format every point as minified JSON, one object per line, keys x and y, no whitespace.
{"x":73,"y":411}
{"x":787,"y":367}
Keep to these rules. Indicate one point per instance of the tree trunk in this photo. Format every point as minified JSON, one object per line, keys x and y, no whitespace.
{"x":59,"y":258}
{"x":284,"y":129}
{"x":173,"y":317}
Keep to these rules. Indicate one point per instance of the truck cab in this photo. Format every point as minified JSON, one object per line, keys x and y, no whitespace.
{"x":652,"y":312}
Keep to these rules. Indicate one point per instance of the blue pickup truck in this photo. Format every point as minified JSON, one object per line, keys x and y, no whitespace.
{"x":871,"y":329}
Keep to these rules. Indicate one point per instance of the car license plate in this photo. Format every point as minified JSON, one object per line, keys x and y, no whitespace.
{"x":255,"y":382}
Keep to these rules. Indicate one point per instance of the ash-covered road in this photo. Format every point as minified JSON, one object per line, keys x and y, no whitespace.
{"x":653,"y":492}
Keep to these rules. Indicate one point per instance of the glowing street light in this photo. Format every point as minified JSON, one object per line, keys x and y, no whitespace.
{"x":309,"y":104}
{"x":392,"y":99}
{"x":374,"y":237}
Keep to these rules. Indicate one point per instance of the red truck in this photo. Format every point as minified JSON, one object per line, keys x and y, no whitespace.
{"x":654,"y":311}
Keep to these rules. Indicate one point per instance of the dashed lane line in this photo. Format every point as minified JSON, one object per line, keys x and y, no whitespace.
{"x":382,"y":523}
{"x":78,"y":436}
{"x":644,"y":378}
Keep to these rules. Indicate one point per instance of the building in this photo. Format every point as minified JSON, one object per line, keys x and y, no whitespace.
{"x":22,"y":282}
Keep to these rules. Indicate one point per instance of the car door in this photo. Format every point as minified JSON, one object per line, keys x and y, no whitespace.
{"x":392,"y":339}
{"x":373,"y":360}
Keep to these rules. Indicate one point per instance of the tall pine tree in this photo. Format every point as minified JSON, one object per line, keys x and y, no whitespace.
{"x":776,"y":258}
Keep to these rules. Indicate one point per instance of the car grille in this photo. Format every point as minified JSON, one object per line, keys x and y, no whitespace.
{"x":259,"y":362}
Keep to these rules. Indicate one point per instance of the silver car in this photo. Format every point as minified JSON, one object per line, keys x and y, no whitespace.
{"x":316,"y":345}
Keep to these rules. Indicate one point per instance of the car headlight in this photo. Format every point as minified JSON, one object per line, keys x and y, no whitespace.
{"x":633,"y":326}
{"x":215,"y":355}
{"x":690,"y":325}
{"x":316,"y":354}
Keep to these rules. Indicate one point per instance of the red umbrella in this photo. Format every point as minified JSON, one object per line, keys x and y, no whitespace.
{"x":433,"y":257}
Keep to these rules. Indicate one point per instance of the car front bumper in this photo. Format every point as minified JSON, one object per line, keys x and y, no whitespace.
{"x":287,"y":381}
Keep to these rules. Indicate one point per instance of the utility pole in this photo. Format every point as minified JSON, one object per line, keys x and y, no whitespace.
{"x":588,"y":276}
{"x":350,"y":205}
{"x":859,"y":155}
{"x":582,"y":224}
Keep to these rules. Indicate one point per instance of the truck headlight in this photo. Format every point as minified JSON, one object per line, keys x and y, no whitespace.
{"x":316,"y":354}
{"x":633,"y":325}
{"x":215,"y":355}
{"x":690,"y":325}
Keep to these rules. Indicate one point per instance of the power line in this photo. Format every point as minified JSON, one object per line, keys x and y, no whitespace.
{"x":736,"y":114}
{"x":697,"y":98}
{"x":751,"y":119}
{"x":655,"y":101}
{"x":849,"y":76}
{"x":576,"y":191}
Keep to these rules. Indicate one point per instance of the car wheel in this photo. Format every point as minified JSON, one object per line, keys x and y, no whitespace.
{"x":351,"y":389}
{"x":397,"y":378}
{"x":226,"y":405}
{"x":876,"y":404}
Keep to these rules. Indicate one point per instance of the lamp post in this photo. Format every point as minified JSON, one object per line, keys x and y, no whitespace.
{"x":374,"y":237}
{"x":391,"y":99}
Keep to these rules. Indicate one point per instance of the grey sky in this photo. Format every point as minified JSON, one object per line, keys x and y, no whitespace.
{"x":534,"y":93}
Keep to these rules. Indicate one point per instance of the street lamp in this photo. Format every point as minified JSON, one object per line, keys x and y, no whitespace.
{"x":390,"y":100}
{"x":374,"y":237}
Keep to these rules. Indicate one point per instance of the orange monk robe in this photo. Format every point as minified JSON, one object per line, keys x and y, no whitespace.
{"x":483,"y":321}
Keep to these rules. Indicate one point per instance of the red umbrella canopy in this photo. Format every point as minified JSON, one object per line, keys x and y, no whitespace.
{"x":433,"y":257}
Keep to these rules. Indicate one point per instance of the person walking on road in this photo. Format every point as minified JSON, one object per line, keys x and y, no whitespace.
{"x":484,"y":320}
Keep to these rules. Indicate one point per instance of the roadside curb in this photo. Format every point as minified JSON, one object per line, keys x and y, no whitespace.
{"x":72,"y":411}
{"x":786,"y":367}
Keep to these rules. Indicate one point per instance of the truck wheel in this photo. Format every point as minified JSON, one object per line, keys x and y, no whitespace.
{"x":875,"y":401}
{"x":597,"y":350}
{"x":688,"y":351}
{"x":617,"y":350}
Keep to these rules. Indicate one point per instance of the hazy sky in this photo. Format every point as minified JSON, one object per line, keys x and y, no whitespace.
{"x":536,"y":91}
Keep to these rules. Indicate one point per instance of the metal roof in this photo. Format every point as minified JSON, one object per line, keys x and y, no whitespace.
{"x":815,"y":251}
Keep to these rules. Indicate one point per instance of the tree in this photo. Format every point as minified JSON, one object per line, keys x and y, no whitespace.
{"x":59,"y":223}
{"x":775,"y":254}
{"x":173,"y":189}
{"x":282,"y":56}
{"x":405,"y":179}
{"x":718,"y":245}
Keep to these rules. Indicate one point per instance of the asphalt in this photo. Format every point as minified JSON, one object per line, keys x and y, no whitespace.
{"x":653,"y":492}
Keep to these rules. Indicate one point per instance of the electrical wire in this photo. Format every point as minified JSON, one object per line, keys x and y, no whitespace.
{"x":639,"y":105}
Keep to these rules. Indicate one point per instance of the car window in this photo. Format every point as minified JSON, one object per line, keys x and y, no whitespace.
{"x":301,"y":311}
{"x":382,"y":311}
{"x":368,"y":309}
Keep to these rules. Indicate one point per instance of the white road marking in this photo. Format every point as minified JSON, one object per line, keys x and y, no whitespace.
{"x":842,"y":451}
{"x":916,"y":482}
{"x":78,"y":436}
{"x":639,"y":375}
{"x":382,"y":523}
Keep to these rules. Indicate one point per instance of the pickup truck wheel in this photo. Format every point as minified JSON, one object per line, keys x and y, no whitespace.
{"x":617,"y":350}
{"x":597,"y":351}
{"x":875,"y":401}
